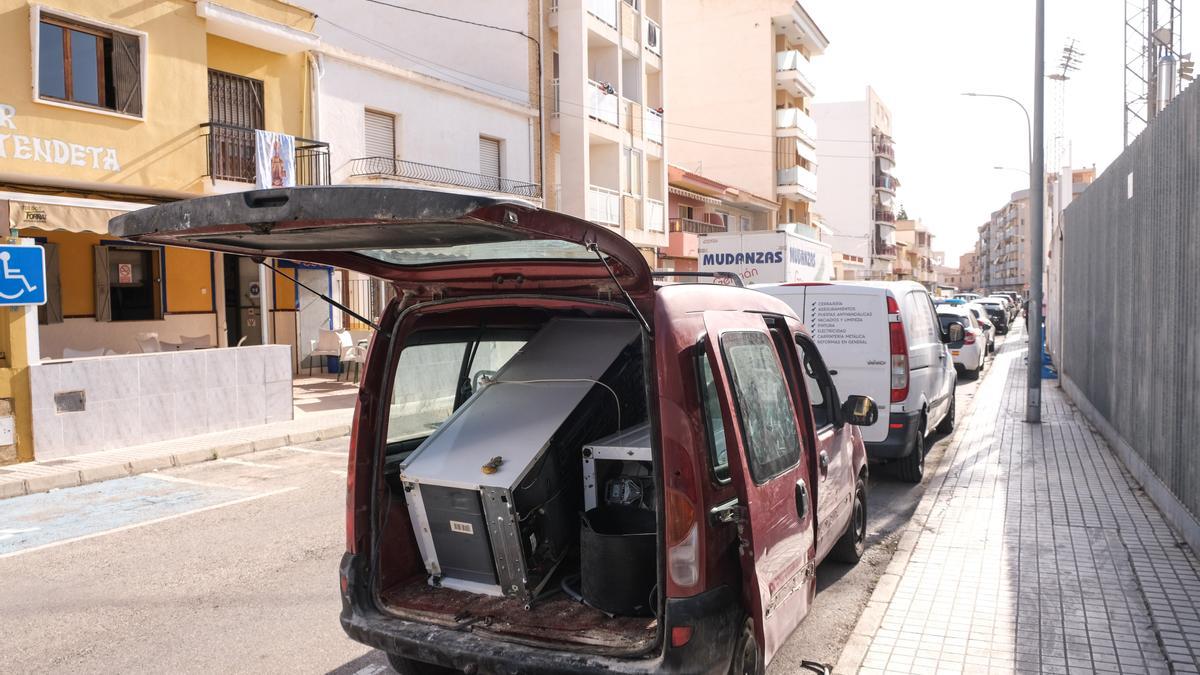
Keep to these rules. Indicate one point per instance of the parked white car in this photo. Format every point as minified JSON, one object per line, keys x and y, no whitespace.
{"x":970,"y":353}
{"x":981,"y":317}
{"x":883,"y":339}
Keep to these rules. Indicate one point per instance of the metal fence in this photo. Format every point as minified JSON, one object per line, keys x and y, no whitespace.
{"x":428,"y":173}
{"x":1130,"y":287}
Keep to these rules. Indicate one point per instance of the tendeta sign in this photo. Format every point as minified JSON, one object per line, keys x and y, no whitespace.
{"x":50,"y":150}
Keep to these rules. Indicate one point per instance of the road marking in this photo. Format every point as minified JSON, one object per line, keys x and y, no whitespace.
{"x":293,"y":448}
{"x":242,"y":462}
{"x":154,"y":521}
{"x":189,"y":481}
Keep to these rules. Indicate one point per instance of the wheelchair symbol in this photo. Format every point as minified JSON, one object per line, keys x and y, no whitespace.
{"x":14,"y":274}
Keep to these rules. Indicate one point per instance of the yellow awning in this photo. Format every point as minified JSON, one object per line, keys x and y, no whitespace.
{"x":59,"y":217}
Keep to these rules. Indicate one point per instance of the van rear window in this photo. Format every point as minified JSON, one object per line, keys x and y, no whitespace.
{"x":764,"y":406}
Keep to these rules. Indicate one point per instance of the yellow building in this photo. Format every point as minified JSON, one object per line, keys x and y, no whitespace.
{"x":108,"y":106}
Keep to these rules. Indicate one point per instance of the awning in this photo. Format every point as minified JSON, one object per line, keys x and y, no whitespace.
{"x":59,"y":213}
{"x":692,"y":195}
{"x":806,"y":153}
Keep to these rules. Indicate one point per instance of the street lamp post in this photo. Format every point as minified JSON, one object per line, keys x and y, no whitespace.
{"x":1037,"y":180}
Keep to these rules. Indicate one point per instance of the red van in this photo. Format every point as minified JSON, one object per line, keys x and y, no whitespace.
{"x":557,"y":464}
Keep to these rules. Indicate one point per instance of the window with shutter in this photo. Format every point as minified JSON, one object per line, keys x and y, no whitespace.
{"x":379,"y":135}
{"x":235,"y":110}
{"x":489,"y":162}
{"x":89,"y":65}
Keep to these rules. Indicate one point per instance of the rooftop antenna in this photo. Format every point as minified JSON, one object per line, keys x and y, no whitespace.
{"x":1069,"y":62}
{"x":1155,"y":66}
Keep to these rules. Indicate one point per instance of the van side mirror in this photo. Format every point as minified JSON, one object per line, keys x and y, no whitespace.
{"x":860,"y":411}
{"x":954,"y":332}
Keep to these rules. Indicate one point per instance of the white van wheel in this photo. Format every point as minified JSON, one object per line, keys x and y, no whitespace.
{"x":911,"y":469}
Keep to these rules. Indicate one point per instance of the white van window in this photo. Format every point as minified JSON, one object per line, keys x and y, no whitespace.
{"x":764,"y":405}
{"x":920,"y":326}
{"x":816,"y":379}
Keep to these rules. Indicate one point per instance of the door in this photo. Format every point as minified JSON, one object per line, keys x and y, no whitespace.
{"x":928,"y":358}
{"x":429,"y":243}
{"x":770,"y":472}
{"x":243,"y":302}
{"x":834,"y":442}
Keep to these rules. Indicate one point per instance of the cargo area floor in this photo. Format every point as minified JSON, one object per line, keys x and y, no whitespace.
{"x":555,"y":619}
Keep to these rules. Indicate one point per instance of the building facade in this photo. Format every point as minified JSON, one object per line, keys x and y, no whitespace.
{"x":605,"y":80}
{"x":699,"y":206}
{"x":858,"y":196}
{"x":743,"y":115}
{"x":915,"y":259}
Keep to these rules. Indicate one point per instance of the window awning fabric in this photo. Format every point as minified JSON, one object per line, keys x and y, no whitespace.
{"x":692,"y":195}
{"x":49,"y":215}
{"x":805,"y":152}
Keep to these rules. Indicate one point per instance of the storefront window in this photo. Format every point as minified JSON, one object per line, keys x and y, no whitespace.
{"x":128,"y":284}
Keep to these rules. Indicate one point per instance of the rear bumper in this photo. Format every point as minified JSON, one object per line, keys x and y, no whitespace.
{"x":902,"y":435}
{"x":714,"y":617}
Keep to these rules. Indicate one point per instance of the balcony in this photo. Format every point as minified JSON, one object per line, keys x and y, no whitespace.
{"x":887,"y":182}
{"x":792,"y":73}
{"x":231,"y":156}
{"x":656,"y":213}
{"x":603,"y":103}
{"x":885,"y":215}
{"x":695,"y":226}
{"x":794,"y":121}
{"x":884,"y":148}
{"x":883,"y":250}
{"x":652,"y":38}
{"x":604,"y":206}
{"x":797,"y":181}
{"x":653,"y":122}
{"x":556,"y":96}
{"x":605,"y":10}
{"x":396,"y":168}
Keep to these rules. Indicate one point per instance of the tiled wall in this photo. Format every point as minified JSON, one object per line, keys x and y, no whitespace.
{"x":142,"y":398}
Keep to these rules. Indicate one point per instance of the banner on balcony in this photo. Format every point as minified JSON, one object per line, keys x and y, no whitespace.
{"x":276,"y":159}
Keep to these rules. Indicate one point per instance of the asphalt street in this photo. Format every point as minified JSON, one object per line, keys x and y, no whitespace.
{"x":231,"y":566}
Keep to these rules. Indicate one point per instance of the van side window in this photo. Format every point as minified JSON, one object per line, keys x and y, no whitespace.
{"x":821,"y":392}
{"x":921,"y":328}
{"x":710,"y":404}
{"x":765,"y":412}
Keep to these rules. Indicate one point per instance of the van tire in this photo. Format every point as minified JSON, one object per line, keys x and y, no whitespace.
{"x":852,"y":545}
{"x":947,"y":424}
{"x":407,"y":666}
{"x":911,"y":469}
{"x":747,"y":656}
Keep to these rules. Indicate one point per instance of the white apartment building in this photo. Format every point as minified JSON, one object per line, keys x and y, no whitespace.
{"x":858,"y":195}
{"x":606,"y":151}
{"x":740,"y":98}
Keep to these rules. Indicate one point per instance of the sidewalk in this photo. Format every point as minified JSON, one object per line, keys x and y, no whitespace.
{"x":323,"y":409}
{"x":1032,"y":551}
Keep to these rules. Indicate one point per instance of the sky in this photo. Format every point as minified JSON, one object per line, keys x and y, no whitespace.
{"x":919,"y":55}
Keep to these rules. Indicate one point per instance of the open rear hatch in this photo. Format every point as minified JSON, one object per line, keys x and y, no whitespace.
{"x":435,"y":243}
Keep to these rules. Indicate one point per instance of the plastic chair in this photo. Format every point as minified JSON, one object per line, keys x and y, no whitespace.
{"x":197,"y":342}
{"x":148,"y":343}
{"x":350,"y":353}
{"x":327,"y":344}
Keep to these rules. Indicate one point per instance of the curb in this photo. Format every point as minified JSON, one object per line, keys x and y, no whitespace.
{"x":855,"y":650}
{"x":138,"y":465}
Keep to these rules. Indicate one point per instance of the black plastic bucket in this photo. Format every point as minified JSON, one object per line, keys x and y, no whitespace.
{"x":617,"y":561}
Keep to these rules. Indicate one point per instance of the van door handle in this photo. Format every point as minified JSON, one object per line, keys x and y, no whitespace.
{"x":801,"y":500}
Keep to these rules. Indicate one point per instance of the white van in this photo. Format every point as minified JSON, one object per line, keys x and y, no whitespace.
{"x":883,"y":339}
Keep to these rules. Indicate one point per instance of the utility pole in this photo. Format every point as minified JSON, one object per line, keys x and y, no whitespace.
{"x":1037,"y":207}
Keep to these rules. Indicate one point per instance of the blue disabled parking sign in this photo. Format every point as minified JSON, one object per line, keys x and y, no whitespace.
{"x":22,"y":275}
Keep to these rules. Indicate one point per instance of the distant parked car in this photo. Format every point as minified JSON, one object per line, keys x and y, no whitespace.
{"x":1010,"y":308}
{"x":967,"y":296}
{"x":981,"y":316}
{"x":969,"y":353}
{"x":996,"y":312}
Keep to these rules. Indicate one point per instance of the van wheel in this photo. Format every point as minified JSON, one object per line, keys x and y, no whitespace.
{"x":850,"y":548}
{"x":947,"y":423}
{"x":911,"y":469}
{"x":747,"y":659}
{"x":407,"y":666}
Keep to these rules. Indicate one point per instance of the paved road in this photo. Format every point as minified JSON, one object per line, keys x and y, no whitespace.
{"x":842,"y":590}
{"x":230,"y":566}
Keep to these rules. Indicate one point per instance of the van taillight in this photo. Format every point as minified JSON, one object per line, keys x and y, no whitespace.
{"x":899,"y":349}
{"x":683,"y":539}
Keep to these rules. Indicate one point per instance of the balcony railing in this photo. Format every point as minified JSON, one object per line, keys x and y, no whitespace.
{"x":653,"y":37}
{"x":795,"y":118}
{"x":653,"y":121}
{"x":556,"y":96}
{"x":793,"y":64}
{"x":604,"y":206}
{"x":798,"y":176}
{"x":885,"y":149}
{"x":394,"y":167}
{"x":695,"y":226}
{"x":885,"y":216}
{"x":883,"y":250}
{"x":602,"y":103}
{"x":605,"y":10}
{"x":232,"y":156}
{"x":885,"y":182}
{"x":655,"y":213}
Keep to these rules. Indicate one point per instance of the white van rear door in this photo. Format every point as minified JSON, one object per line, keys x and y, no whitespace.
{"x":850,"y":326}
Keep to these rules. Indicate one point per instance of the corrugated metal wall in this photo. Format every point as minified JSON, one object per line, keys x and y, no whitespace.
{"x":1131,"y":296}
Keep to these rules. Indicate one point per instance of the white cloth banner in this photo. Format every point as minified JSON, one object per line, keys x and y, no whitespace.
{"x":275,"y":155}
